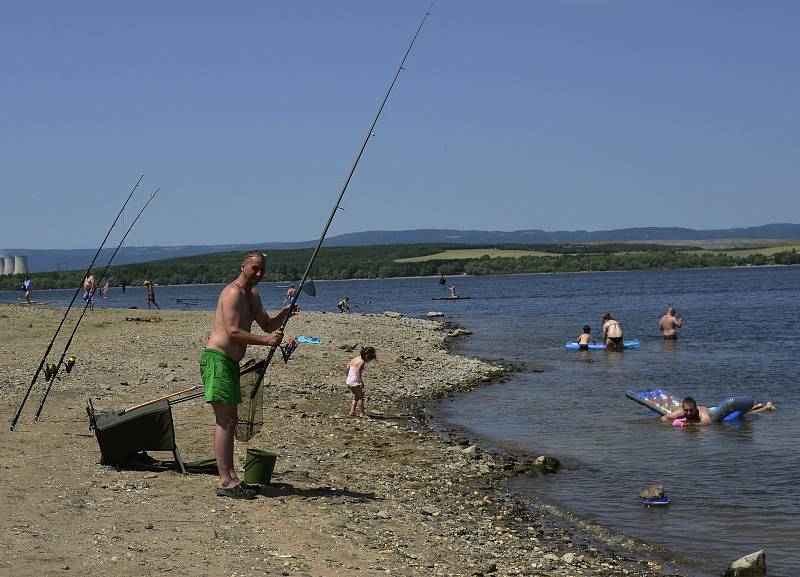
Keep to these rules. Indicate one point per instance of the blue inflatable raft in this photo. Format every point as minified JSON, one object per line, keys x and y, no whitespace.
{"x":600,"y":346}
{"x":656,"y":502}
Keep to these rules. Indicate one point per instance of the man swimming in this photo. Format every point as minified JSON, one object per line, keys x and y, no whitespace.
{"x":669,"y":324}
{"x":691,"y":411}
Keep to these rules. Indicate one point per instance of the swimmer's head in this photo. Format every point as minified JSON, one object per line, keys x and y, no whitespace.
{"x":690,"y":410}
{"x":671,"y":311}
{"x":587,"y":329}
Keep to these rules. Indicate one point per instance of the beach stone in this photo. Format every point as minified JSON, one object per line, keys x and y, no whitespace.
{"x":471,"y":451}
{"x":392,"y":314}
{"x":653,"y":492}
{"x":752,"y":565}
{"x":434,"y":314}
{"x":547,"y":464}
{"x":568,"y":558}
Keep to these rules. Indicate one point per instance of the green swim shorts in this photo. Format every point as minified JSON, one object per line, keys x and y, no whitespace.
{"x":220,"y":375}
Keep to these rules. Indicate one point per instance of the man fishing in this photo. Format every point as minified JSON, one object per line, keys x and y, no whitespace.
{"x":239,"y":305}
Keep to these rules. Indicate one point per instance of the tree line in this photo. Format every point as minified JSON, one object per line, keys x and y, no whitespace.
{"x":379,"y":261}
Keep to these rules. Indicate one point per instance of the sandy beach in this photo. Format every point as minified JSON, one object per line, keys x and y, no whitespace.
{"x":349,"y":497}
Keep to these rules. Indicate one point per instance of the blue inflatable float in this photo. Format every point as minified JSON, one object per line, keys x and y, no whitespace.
{"x":656,"y":502}
{"x":663,"y":402}
{"x":600,"y":346}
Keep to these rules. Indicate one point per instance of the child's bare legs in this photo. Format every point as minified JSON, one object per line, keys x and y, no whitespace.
{"x":357,"y":404}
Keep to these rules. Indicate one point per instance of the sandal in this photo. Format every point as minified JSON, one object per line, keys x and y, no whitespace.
{"x":236,"y":492}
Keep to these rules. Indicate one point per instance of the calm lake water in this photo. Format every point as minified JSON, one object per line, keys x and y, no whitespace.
{"x":732,"y":485}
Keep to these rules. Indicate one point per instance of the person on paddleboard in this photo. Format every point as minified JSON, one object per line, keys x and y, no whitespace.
{"x":453,"y":294}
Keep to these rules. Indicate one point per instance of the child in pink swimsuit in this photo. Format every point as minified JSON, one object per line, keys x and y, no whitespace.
{"x":355,"y":369}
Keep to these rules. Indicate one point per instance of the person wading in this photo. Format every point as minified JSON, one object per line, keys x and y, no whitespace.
{"x":669,"y":324}
{"x":612,"y":333}
{"x":238,"y":307}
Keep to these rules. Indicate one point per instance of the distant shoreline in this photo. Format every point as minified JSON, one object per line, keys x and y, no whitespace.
{"x":455,"y":276}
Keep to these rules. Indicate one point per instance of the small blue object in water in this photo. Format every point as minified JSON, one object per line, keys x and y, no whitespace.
{"x":635,"y":344}
{"x":656,"y":502}
{"x":308,"y":340}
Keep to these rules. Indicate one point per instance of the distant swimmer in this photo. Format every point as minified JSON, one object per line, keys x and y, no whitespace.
{"x":453,"y":294}
{"x":442,"y":279}
{"x":691,"y":412}
{"x":669,"y":324}
{"x":585,"y":337}
{"x":344,"y":304}
{"x":612,"y":333}
{"x":290,"y":292}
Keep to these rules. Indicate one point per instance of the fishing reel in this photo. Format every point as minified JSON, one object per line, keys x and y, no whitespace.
{"x":288,"y":349}
{"x":51,"y":369}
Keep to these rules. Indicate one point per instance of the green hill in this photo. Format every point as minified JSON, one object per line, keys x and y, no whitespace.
{"x":401,"y":260}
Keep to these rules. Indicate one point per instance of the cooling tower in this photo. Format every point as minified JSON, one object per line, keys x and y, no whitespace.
{"x":21,"y":264}
{"x":8,"y":265}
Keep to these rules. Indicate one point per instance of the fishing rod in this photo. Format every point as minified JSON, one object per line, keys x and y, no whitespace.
{"x":294,"y":298}
{"x":53,"y":373}
{"x":77,"y":291}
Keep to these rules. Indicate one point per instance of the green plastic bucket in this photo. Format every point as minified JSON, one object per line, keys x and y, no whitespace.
{"x":258,"y":466}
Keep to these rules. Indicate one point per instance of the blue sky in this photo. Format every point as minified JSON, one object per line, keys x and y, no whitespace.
{"x":570,"y":114}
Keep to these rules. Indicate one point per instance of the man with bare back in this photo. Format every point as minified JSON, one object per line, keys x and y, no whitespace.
{"x":238,"y":307}
{"x":670,"y":324}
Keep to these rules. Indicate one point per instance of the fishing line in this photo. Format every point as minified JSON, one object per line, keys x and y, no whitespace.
{"x":54,"y":373}
{"x":77,"y":291}
{"x":370,"y":134}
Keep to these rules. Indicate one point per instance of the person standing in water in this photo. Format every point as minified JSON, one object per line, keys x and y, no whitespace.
{"x":239,"y":305}
{"x":669,"y":324}
{"x":585,"y":337}
{"x":612,"y":333}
